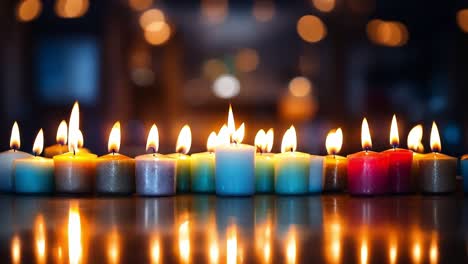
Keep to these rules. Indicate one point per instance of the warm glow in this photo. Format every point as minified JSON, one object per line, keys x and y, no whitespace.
{"x":113,"y":247}
{"x":394,"y":137}
{"x":15,"y":250}
{"x":291,"y":248}
{"x":311,"y":29}
{"x":211,"y":142}
{"x":113,"y":146}
{"x":239,"y":134}
{"x":414,"y":139}
{"x":153,"y":139}
{"x":231,"y":246}
{"x":393,"y":253}
{"x":214,"y":11}
{"x":71,"y":8}
{"x":231,"y":125}
{"x":387,"y":33}
{"x":416,"y":251}
{"x":223,"y":136}
{"x":79,"y":134}
{"x":235,"y":136}
{"x":184,"y":141}
{"x":247,"y":60}
{"x":62,"y":131}
{"x":334,"y":141}
{"x":38,"y":143}
{"x":15,"y":142}
{"x":263,"y":10}
{"x":140,"y":5}
{"x":289,"y":143}
{"x":435,"y":139}
{"x":264,"y":141}
{"x":366,"y":140}
{"x":269,"y":139}
{"x":462,"y":20}
{"x":152,"y":19}
{"x":213,"y":68}
{"x":214,"y":252}
{"x":324,"y":5}
{"x":28,"y":10}
{"x":40,"y":239}
{"x":300,"y":86}
{"x":155,"y":251}
{"x":364,"y":252}
{"x":226,"y":86}
{"x":184,"y":242}
{"x":75,"y":249}
{"x":158,"y":33}
{"x":433,"y":252}
{"x":74,"y":129}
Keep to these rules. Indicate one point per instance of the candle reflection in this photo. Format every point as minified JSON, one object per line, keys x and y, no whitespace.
{"x":393,"y":251}
{"x":213,"y":240}
{"x":416,"y":251}
{"x":333,"y":236}
{"x":155,"y":250}
{"x":75,"y":249}
{"x":231,"y":246}
{"x":364,"y":252}
{"x":263,"y":241}
{"x":184,"y":242}
{"x":113,"y":247}
{"x":291,"y":248}
{"x":15,"y":250}
{"x":59,"y":254}
{"x":40,"y":239}
{"x":434,"y":251}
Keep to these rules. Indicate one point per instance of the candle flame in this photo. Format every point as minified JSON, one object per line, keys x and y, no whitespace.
{"x":62,"y":130}
{"x":184,"y":241}
{"x":75,"y":249}
{"x":223,"y":136}
{"x":289,"y":143}
{"x":38,"y":143}
{"x":15,"y":142}
{"x":231,"y":125}
{"x":264,"y":141}
{"x":155,"y":250}
{"x":414,"y":139}
{"x":74,"y":129}
{"x":16,"y":250}
{"x":184,"y":141}
{"x":153,"y":139}
{"x":79,"y":134}
{"x":269,"y":139}
{"x":211,"y":142}
{"x":366,"y":140}
{"x":40,"y":239}
{"x":113,"y":145}
{"x":334,"y":141}
{"x":234,"y":136}
{"x":436,"y":146}
{"x":239,"y":134}
{"x":394,"y":137}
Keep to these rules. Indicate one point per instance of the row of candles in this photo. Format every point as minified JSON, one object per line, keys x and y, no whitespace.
{"x":228,"y":167}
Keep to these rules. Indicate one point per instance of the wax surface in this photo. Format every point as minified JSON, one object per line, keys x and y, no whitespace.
{"x":335,"y":173}
{"x":264,"y":173}
{"x":115,"y":173}
{"x":464,"y":169}
{"x":399,"y":170}
{"x":368,"y":173}
{"x":6,"y":168}
{"x":235,"y":174}
{"x":438,"y":173}
{"x":202,"y":172}
{"x":183,"y":171}
{"x":55,"y":150}
{"x":292,"y":173}
{"x":75,"y":173}
{"x":316,"y":174}
{"x":34,"y":175}
{"x":155,"y":175}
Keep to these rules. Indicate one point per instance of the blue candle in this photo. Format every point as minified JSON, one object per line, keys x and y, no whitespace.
{"x":316,"y":174}
{"x":34,"y":174}
{"x":464,"y":168}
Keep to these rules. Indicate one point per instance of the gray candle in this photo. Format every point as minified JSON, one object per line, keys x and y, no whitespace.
{"x":155,"y":175}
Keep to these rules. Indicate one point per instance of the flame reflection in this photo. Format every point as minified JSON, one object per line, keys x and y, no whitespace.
{"x":113,"y":247}
{"x":291,"y":247}
{"x":231,"y":246}
{"x":15,"y":250}
{"x":40,"y":239}
{"x":155,"y":250}
{"x":184,"y":242}
{"x":75,"y":248}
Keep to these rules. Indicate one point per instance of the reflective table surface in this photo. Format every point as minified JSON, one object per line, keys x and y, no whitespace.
{"x":210,"y":229}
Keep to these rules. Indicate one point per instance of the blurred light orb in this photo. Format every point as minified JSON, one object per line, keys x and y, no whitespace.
{"x":247,"y":60}
{"x":28,"y":10}
{"x":311,"y":29}
{"x":152,"y":19}
{"x":140,"y":5}
{"x":142,"y":76}
{"x":387,"y":33}
{"x":213,"y":68}
{"x":226,"y":86}
{"x":214,"y":11}
{"x":300,"y":86}
{"x":462,"y":20}
{"x":324,"y":5}
{"x":263,"y":10}
{"x":158,"y":37}
{"x":71,"y":8}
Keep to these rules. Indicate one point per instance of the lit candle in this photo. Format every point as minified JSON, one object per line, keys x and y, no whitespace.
{"x":414,"y":144}
{"x":7,"y":158}
{"x":202,"y":168}
{"x":334,"y":176}
{"x":81,"y":147}
{"x":464,"y":168}
{"x":367,"y":170}
{"x":184,"y":141}
{"x":74,"y":170}
{"x":35,"y":174}
{"x":399,"y":163}
{"x":437,"y":171}
{"x":291,"y":167}
{"x":115,"y":173}
{"x":155,"y":173}
{"x":235,"y":162}
{"x":61,"y":138}
{"x":264,"y":162}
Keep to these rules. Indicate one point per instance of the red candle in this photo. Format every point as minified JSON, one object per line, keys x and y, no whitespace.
{"x":367,"y":170}
{"x":399,"y":163}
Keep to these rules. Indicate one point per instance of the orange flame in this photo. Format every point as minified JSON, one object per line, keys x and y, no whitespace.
{"x":211,"y":142}
{"x":414,"y":139}
{"x":184,"y":141}
{"x":334,"y":141}
{"x":153,"y":139}
{"x":15,"y":142}
{"x":38,"y":143}
{"x":366,"y":140}
{"x":114,"y":138}
{"x":435,"y":139}
{"x":74,"y":129}
{"x":289,"y":143}
{"x":394,"y":137}
{"x":61,"y":137}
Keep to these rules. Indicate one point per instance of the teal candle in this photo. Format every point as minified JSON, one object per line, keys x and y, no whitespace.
{"x":464,"y":168}
{"x":202,"y":172}
{"x":264,"y":173}
{"x":184,"y":142}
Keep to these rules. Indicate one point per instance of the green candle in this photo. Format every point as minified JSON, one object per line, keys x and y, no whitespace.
{"x":202,"y":168}
{"x":264,"y":162}
{"x":184,"y":141}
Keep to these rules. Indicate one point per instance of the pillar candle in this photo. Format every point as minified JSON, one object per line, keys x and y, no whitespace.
{"x":335,"y":167}
{"x":8,"y":157}
{"x":367,"y":170}
{"x":202,"y":168}
{"x":155,"y":174}
{"x":464,"y":168}
{"x":184,"y":142}
{"x":437,"y":171}
{"x":316,"y":174}
{"x":414,"y":144}
{"x":34,"y":174}
{"x":234,"y":162}
{"x":399,"y":163}
{"x":264,"y":162}
{"x":291,"y":167}
{"x":115,"y":173}
{"x":61,"y":138}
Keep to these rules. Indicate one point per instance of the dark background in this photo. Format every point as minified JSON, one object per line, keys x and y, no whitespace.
{"x":102,"y":59}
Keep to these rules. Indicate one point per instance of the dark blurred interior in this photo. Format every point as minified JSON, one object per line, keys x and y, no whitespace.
{"x":317,"y":64}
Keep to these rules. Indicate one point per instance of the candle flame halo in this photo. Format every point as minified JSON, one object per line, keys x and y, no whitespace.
{"x":394,"y":136}
{"x":414,"y":139}
{"x":366,"y":139}
{"x":15,"y":141}
{"x":62,"y":130}
{"x":184,"y":141}
{"x":264,"y":141}
{"x":113,"y":145}
{"x":436,"y":145}
{"x":38,"y":143}
{"x":211,"y":142}
{"x":74,"y":129}
{"x":334,"y":141}
{"x":289,"y":143}
{"x":153,"y":139}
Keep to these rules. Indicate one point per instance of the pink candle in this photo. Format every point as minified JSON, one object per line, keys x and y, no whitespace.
{"x":367,"y":170}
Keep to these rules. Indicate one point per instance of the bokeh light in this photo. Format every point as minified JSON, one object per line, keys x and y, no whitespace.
{"x":71,"y":8}
{"x":263,"y":10}
{"x":213,"y":68}
{"x":152,"y":19}
{"x":300,"y":86}
{"x":28,"y":10}
{"x":214,"y":11}
{"x":247,"y":60}
{"x":387,"y":33}
{"x":324,"y":5}
{"x":226,"y":86}
{"x":140,"y":5}
{"x":311,"y":29}
{"x":158,"y":37}
{"x":462,"y":20}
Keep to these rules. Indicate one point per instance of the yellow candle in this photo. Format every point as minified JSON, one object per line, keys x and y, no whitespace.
{"x":414,"y":144}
